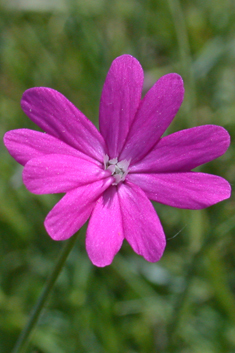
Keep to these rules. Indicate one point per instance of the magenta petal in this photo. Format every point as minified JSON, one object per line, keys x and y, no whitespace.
{"x":183,"y":190}
{"x":73,"y":210}
{"x":154,"y":115}
{"x":119,"y":101}
{"x":141,"y":225}
{"x":185,"y":150}
{"x":55,"y":173}
{"x":57,"y":116}
{"x":104,"y":233}
{"x":25,"y":144}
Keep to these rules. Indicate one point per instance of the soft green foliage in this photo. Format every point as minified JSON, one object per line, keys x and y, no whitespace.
{"x":185,"y":303}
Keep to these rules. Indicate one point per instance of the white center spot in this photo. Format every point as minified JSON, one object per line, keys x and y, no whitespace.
{"x":119,"y":170}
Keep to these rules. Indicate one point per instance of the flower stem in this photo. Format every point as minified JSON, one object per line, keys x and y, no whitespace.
{"x":25,"y":334}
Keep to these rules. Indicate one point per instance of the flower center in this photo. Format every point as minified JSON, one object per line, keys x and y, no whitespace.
{"x":119,"y":170}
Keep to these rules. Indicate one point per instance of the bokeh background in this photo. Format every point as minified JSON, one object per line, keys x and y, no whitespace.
{"x":184,"y":303}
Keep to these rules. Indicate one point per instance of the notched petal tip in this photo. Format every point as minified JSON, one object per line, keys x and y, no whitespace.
{"x":36,"y":90}
{"x":6,"y":138}
{"x":9,"y":136}
{"x":174,"y":81}
{"x":126,"y":58}
{"x":101,"y":263}
{"x":173,"y":85}
{"x":37,"y":98}
{"x":27,"y":95}
{"x":153,"y":255}
{"x":53,"y":235}
{"x":227,"y":190}
{"x":13,"y":144}
{"x":174,"y":76}
{"x":225,"y":136}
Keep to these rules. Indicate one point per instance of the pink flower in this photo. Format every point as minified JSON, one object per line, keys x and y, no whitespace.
{"x":110,"y":175}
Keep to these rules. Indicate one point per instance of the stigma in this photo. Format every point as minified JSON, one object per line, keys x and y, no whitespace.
{"x":119,"y":170}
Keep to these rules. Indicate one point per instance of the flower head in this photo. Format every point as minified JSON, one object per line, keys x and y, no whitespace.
{"x":110,"y":176}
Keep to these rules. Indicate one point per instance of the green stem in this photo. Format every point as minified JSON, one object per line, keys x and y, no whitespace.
{"x":25,"y":334}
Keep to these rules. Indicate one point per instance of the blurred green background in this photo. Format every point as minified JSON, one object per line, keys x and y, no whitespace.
{"x":184,"y":303}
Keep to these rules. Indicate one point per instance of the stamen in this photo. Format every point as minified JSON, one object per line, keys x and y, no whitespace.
{"x":119,"y":170}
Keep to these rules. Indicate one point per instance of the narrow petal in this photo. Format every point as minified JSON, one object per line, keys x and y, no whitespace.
{"x":57,"y":116}
{"x":185,"y":150}
{"x":141,"y":225}
{"x":104,"y":233}
{"x":154,"y":115}
{"x":183,"y":190}
{"x":119,"y":101}
{"x":73,"y":210}
{"x":25,"y":144}
{"x":55,"y":173}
